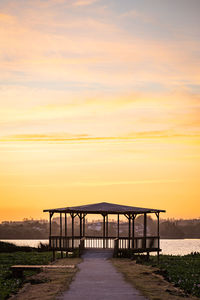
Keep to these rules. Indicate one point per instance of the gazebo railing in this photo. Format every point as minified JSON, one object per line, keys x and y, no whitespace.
{"x":95,"y":242}
{"x":139,"y":242}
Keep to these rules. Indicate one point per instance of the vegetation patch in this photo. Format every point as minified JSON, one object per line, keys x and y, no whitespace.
{"x":9,"y":247}
{"x":45,"y":285}
{"x":49,"y":284}
{"x":8,"y":284}
{"x":182,"y":271}
{"x":146,"y":277}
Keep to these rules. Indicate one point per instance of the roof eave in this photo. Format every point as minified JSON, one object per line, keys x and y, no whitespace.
{"x":103,"y":211}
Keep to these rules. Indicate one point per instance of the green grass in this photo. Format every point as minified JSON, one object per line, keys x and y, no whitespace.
{"x":182,"y":271}
{"x":9,"y":285}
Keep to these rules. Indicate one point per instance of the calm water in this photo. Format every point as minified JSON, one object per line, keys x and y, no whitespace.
{"x":176,"y":247}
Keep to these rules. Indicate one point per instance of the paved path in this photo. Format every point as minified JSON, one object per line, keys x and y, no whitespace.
{"x":99,"y":280}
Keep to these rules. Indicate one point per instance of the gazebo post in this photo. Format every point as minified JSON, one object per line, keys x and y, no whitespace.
{"x":65,"y":240}
{"x":84,"y":225}
{"x":129,"y":231}
{"x":50,"y":216}
{"x":133,"y":231}
{"x":61,"y":235}
{"x":118,"y":226}
{"x":66,"y":224}
{"x":104,"y":229}
{"x":50,"y":232}
{"x":158,"y":233}
{"x":60,"y":224}
{"x":72,"y":216}
{"x":80,"y":217}
{"x":145,"y":231}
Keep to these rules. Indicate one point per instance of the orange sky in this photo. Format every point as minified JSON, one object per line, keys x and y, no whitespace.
{"x":99,"y":101}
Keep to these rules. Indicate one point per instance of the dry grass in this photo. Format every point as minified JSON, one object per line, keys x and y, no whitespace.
{"x":151,"y":285}
{"x":48,"y":284}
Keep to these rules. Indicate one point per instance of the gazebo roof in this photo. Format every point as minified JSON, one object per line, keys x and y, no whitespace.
{"x":104,"y":208}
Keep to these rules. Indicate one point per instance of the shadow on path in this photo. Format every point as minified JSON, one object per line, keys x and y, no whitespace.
{"x":99,"y":280}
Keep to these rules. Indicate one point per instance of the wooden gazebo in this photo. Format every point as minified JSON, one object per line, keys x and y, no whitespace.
{"x":69,"y":241}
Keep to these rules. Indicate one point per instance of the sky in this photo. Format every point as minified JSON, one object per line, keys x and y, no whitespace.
{"x":99,"y":102}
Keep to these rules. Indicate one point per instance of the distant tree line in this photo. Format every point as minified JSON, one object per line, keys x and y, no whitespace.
{"x":24,"y":230}
{"x":36,"y":229}
{"x":175,"y":229}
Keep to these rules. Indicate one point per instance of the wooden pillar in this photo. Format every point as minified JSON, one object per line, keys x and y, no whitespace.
{"x":133,"y":231}
{"x":66,"y":224}
{"x":60,"y":224}
{"x":118,"y":225}
{"x":61,"y":235}
{"x":80,"y":217}
{"x":84,"y":225}
{"x":72,"y":216}
{"x":158,"y":233}
{"x":50,"y":232}
{"x":104,"y":230}
{"x":145,"y":230}
{"x":129,"y":231}
{"x":66,"y":246}
{"x":50,"y":216}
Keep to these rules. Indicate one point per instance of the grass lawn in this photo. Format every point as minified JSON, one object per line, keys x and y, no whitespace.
{"x":10,"y":285}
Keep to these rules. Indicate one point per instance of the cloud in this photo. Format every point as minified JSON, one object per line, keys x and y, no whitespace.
{"x":98,"y":114}
{"x":134,"y":14}
{"x":58,"y":48}
{"x":101,"y":183}
{"x":7,"y":19}
{"x":64,"y":137}
{"x":67,"y":72}
{"x":84,"y":2}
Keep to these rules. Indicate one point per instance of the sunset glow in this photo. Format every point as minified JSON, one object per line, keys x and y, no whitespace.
{"x":99,"y":101}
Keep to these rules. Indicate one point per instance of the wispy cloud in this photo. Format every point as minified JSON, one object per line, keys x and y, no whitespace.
{"x":135,"y":14}
{"x":60,"y":137}
{"x":7,"y":19}
{"x":56,"y":54}
{"x":84,"y":2}
{"x":103,"y":183}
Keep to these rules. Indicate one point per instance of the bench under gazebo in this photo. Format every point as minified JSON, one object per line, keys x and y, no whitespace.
{"x":68,"y":241}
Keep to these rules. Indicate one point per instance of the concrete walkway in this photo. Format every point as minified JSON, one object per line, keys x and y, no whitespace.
{"x":99,"y":280}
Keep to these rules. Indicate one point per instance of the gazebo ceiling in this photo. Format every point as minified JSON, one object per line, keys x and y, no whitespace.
{"x":104,"y":208}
